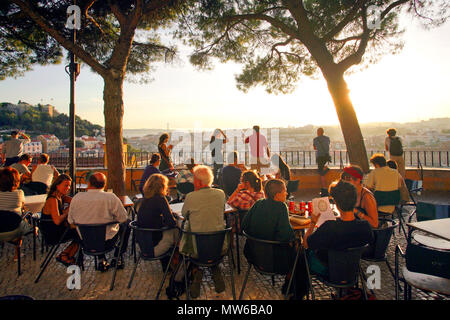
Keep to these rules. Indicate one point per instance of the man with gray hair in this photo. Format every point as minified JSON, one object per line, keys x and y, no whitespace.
{"x":203,"y":211}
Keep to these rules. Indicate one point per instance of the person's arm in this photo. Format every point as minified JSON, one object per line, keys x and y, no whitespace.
{"x":245,"y":223}
{"x":310,"y":230}
{"x":370,"y":205}
{"x":268,"y":151}
{"x":55,"y":173}
{"x":118,"y":211}
{"x":51,"y":206}
{"x":284,"y":231}
{"x":371,"y":180}
{"x":386,"y":144}
{"x":168,"y":215}
{"x":226,"y":139}
{"x":26,"y":138}
{"x":234,"y":199}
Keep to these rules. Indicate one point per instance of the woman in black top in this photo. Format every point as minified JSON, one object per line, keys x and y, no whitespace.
{"x":54,"y":219}
{"x":164,"y":152}
{"x":155,"y":213}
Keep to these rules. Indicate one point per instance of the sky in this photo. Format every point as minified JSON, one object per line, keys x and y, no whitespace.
{"x":410,"y":86}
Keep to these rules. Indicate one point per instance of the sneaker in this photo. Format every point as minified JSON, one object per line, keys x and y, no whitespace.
{"x":194,"y":289}
{"x":219,"y":284}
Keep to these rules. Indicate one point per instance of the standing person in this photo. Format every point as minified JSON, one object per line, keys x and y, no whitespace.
{"x":165,"y":153}
{"x":321,"y":144}
{"x":394,"y":145}
{"x":13,"y":149}
{"x":258,"y":143}
{"x":215,"y":145}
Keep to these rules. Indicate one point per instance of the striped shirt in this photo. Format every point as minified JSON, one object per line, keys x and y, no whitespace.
{"x":12,"y":201}
{"x":245,"y":199}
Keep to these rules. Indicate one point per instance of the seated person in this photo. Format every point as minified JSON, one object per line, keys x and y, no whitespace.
{"x":231,"y":174}
{"x":155,"y":213}
{"x":268,"y":219}
{"x":283,"y":172}
{"x":22,"y":166}
{"x":185,"y":175}
{"x":404,"y":193}
{"x":149,"y":170}
{"x":12,"y":199}
{"x":42,"y":175}
{"x":383,"y":178}
{"x":153,"y":168}
{"x":343,"y":233}
{"x":54,"y":210}
{"x":366,"y":206}
{"x":203,"y":211}
{"x":96,"y":206}
{"x":247,"y":192}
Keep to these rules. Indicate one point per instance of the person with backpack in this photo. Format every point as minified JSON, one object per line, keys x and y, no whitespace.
{"x":394,"y":145}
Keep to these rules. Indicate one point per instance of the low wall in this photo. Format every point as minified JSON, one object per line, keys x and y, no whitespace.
{"x":433,"y":179}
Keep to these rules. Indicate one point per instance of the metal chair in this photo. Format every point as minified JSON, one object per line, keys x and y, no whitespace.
{"x":377,"y":251}
{"x":344,"y":269}
{"x":93,"y":243}
{"x":261,"y":256}
{"x":16,"y":245}
{"x":391,"y":198}
{"x":144,"y":239}
{"x":209,"y":253}
{"x":46,"y":240}
{"x":426,"y":269}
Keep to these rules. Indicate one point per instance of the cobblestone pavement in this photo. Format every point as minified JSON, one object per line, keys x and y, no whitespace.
{"x":95,"y":285}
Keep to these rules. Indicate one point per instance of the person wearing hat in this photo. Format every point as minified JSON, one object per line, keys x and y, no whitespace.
{"x":13,"y":149}
{"x":366,"y":205}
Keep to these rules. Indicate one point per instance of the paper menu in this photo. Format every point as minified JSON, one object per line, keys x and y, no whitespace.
{"x":322,"y":207}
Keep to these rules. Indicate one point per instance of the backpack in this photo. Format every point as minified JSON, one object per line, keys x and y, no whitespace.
{"x":396,"y":148}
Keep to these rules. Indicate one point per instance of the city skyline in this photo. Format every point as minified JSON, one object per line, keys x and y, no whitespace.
{"x":411,"y":86}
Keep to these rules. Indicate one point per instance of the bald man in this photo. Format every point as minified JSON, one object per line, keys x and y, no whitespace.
{"x":97,"y":206}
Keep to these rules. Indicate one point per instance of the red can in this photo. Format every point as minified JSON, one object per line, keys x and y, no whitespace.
{"x":291,"y":206}
{"x":302,"y":207}
{"x":310,"y":207}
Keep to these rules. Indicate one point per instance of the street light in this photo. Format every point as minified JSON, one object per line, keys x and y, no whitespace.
{"x":73,"y":23}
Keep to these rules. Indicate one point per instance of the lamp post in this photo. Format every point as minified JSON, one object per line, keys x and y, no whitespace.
{"x":73,"y":23}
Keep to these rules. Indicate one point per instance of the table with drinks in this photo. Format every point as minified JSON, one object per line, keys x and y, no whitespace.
{"x":299,"y":213}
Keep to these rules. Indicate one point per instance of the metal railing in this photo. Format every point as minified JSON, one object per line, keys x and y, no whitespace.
{"x":295,"y":159}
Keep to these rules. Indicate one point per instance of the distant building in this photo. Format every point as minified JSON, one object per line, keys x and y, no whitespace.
{"x":89,"y":142}
{"x":34,"y":147}
{"x":50,"y":143}
{"x":49,"y":109}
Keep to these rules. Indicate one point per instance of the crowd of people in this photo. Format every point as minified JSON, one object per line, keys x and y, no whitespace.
{"x":262,"y":198}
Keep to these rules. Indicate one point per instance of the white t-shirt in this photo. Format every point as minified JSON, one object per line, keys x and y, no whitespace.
{"x":43,"y":173}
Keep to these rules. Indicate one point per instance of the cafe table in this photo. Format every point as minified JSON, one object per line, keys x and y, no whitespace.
{"x":35,"y":203}
{"x":439,"y":227}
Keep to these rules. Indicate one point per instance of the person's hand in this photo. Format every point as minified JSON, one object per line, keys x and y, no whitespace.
{"x":314,"y":218}
{"x":241,"y":186}
{"x":171,"y":167}
{"x":170,"y":146}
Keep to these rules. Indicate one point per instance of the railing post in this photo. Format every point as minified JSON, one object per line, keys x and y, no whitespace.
{"x":304,"y":159}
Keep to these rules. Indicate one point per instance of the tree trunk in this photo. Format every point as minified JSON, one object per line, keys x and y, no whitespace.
{"x":113,"y":111}
{"x":347,"y":118}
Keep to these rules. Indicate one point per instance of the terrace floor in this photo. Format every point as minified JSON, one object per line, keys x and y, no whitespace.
{"x":95,"y":285}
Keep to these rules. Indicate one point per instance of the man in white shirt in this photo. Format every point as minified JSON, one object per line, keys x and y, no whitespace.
{"x":96,"y":206}
{"x":258,"y":144}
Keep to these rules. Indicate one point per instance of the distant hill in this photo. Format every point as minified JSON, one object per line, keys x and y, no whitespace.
{"x":36,"y":120}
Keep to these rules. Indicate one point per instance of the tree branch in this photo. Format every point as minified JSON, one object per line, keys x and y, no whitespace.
{"x":67,"y":44}
{"x":88,"y":5}
{"x":347,"y":19}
